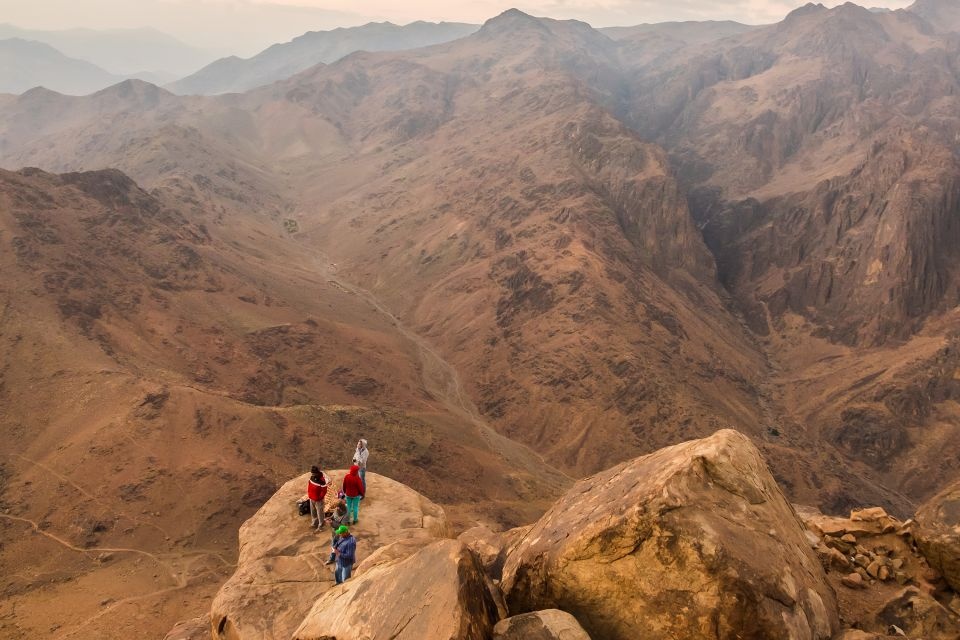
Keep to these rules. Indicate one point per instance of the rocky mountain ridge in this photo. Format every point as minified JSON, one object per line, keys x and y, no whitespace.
{"x":281,"y":61}
{"x":699,"y":528}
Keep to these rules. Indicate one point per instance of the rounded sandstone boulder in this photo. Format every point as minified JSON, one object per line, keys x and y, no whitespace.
{"x":693,"y":541}
{"x":439,"y":592}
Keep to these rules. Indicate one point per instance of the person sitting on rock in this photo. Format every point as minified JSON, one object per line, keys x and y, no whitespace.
{"x":345,"y":550}
{"x":337,"y":519}
{"x":360,"y":459}
{"x":317,"y":491}
{"x":353,"y":489}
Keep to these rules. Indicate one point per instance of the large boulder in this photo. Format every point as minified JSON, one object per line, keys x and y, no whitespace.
{"x":439,"y":592}
{"x":693,"y":541}
{"x":937,"y":532}
{"x":281,"y":572}
{"x":549,"y":624}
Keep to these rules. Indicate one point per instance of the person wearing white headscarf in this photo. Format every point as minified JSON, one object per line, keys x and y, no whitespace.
{"x":360,"y":459}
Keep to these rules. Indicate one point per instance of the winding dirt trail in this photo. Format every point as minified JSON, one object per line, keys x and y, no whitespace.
{"x":181,"y":576}
{"x":442,"y":380}
{"x":89,"y":495}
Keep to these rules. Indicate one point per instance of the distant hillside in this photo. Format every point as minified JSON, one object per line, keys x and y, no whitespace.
{"x":25,"y":64}
{"x":944,"y":15}
{"x":281,"y":61}
{"x":687,"y":32}
{"x":121,"y":51}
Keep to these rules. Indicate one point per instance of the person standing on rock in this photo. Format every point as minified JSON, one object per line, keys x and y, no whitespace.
{"x":337,"y":519}
{"x":360,"y":459}
{"x":353,"y":490}
{"x":316,"y":492}
{"x":345,"y":549}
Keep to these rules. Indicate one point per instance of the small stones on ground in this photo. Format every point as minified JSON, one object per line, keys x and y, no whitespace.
{"x":870,"y":514}
{"x":853,"y":581}
{"x":849,"y":537}
{"x":836,"y":559}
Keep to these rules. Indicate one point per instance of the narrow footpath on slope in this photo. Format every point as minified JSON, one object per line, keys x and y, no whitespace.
{"x":442,"y":380}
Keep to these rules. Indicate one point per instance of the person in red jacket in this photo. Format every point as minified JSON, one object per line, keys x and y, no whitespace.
{"x":317,"y":491}
{"x":353,"y":489}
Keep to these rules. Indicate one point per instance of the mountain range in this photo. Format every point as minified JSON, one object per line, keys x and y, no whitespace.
{"x":281,"y":61}
{"x":25,"y":64}
{"x":123,"y":52}
{"x":513,"y":258}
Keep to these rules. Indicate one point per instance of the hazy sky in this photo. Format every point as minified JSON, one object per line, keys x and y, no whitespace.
{"x":247,"y":26}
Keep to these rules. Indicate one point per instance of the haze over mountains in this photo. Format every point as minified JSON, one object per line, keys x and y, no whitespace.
{"x":511,"y":258}
{"x":122,"y":52}
{"x":27,"y":64}
{"x":281,"y":61}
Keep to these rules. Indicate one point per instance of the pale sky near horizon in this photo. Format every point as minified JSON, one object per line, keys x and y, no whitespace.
{"x":244,"y":27}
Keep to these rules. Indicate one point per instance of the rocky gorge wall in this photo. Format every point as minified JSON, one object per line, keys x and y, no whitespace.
{"x":693,"y":541}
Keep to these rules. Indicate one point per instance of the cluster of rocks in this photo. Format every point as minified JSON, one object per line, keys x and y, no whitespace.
{"x":693,"y":541}
{"x":861,"y":547}
{"x":902,"y":593}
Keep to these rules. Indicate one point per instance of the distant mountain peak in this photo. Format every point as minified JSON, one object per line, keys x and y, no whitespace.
{"x":133,"y":89}
{"x":510,"y":21}
{"x":805,"y":10}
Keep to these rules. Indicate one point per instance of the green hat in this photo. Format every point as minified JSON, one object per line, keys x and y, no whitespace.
{"x":343,"y":529}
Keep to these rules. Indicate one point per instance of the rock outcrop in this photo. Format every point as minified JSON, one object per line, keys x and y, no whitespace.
{"x":693,"y":541}
{"x":938,"y":533}
{"x":281,"y":572}
{"x":549,"y":624}
{"x":882,"y":580}
{"x":440,"y":593}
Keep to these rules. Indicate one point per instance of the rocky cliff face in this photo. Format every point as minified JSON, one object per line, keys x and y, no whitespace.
{"x":938,"y":532}
{"x":816,"y":148}
{"x":693,"y":541}
{"x":699,"y":528}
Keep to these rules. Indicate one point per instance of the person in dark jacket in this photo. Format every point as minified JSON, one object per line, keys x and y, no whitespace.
{"x":338,"y":518}
{"x":353,"y":490}
{"x":345,"y":550}
{"x":316,"y":492}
